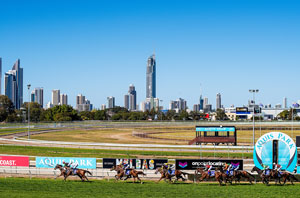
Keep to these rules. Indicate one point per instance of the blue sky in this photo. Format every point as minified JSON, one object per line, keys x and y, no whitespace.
{"x":98,"y":48}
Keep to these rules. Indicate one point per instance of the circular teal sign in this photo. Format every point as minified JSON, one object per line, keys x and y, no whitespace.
{"x":286,"y":151}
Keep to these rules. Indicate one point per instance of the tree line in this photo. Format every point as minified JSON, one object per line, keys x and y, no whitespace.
{"x":61,"y":113}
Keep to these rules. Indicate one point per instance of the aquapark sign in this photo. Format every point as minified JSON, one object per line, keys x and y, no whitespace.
{"x":275,"y":147}
{"x":50,"y":162}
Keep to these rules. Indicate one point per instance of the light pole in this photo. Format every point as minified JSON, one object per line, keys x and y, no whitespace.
{"x":161,"y":112}
{"x":28,"y":86}
{"x":253,"y":91}
{"x":294,"y":106}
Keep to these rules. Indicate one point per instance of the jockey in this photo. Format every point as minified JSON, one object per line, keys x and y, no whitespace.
{"x":208,"y":168}
{"x":227,"y":167}
{"x":125,"y":167}
{"x":67,"y":165}
{"x":265,"y":168}
{"x":74,"y":166}
{"x":169,"y":167}
{"x":277,"y":167}
{"x":234,"y":167}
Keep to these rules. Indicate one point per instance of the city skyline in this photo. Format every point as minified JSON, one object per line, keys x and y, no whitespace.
{"x":191,"y":42}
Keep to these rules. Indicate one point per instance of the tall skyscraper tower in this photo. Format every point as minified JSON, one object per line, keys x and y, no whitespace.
{"x":55,"y":97}
{"x":201,"y":103}
{"x":132,"y":97}
{"x":218,"y":101}
{"x":151,"y":77}
{"x":14,"y":84}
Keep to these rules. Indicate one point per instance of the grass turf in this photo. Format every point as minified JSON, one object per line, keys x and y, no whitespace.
{"x":101,"y":153}
{"x":24,"y":187}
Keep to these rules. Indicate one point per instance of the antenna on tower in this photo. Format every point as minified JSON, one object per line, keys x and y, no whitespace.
{"x":200,"y":89}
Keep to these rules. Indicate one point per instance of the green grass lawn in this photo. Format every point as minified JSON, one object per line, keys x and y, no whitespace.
{"x":24,"y":187}
{"x":101,"y":153}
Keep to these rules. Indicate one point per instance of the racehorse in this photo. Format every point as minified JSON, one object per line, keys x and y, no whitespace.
{"x":132,"y":172}
{"x":164,"y":174}
{"x":177,"y":173}
{"x":284,"y":175}
{"x":225,"y":177}
{"x":264,"y":178}
{"x":67,"y":172}
{"x":238,"y":174}
{"x":219,"y":176}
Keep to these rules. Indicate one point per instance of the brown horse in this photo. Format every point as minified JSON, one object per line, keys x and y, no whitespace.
{"x":67,"y":172}
{"x":264,"y":178}
{"x":132,"y":172}
{"x":284,"y":175}
{"x":219,"y":176}
{"x":243,"y":174}
{"x":166,"y":175}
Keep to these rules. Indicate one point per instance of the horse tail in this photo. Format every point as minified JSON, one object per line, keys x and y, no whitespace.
{"x":293,"y":177}
{"x":251,"y":175}
{"x":89,"y":172}
{"x":140,"y":172}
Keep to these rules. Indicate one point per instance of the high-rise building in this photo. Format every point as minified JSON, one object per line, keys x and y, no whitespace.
{"x":63,"y":99}
{"x":284,"y":104}
{"x":80,"y":99}
{"x":103,"y":107}
{"x":201,"y":101}
{"x":196,"y":107}
{"x":132,"y":97}
{"x":83,"y":104}
{"x":111,"y":102}
{"x":218,"y":101}
{"x":126,"y":101}
{"x":151,"y":77}
{"x":205,"y":102}
{"x":55,"y":97}
{"x":37,"y":95}
{"x":178,"y":105}
{"x":32,"y":96}
{"x":0,"y":75}
{"x":14,"y":84}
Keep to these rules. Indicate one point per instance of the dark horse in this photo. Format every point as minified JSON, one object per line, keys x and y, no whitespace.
{"x":264,"y":178}
{"x":67,"y":172}
{"x":166,"y":175}
{"x":284,"y":175}
{"x":132,"y":172}
{"x":238,"y":174}
{"x":219,"y":176}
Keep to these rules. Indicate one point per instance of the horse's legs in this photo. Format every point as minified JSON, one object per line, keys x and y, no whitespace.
{"x":80,"y":177}
{"x":159,"y":179}
{"x":59,"y":175}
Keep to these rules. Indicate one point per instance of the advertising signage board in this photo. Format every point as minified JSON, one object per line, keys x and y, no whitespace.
{"x":214,"y":129}
{"x":275,"y":147}
{"x":50,"y":162}
{"x":135,"y":163}
{"x":14,"y":161}
{"x":192,"y":164}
